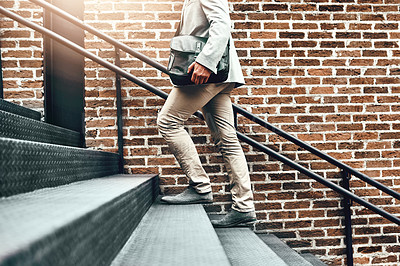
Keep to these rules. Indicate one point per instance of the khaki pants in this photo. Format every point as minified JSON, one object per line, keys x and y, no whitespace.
{"x":214,"y":101}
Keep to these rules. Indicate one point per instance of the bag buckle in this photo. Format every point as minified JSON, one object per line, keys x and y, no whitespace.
{"x":198,"y":49}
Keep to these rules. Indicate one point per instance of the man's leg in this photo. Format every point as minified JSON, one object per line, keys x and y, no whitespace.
{"x":180,"y":105}
{"x":219,"y":116}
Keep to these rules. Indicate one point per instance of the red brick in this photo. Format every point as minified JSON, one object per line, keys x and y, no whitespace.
{"x":18,"y":94}
{"x":275,"y":7}
{"x":331,"y":8}
{"x":359,"y":8}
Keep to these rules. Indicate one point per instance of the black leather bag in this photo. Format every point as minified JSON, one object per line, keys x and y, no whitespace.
{"x":184,"y":51}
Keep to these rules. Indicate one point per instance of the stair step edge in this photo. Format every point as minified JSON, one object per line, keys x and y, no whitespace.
{"x":244,"y":248}
{"x":18,"y":127}
{"x":19,"y":110}
{"x":26,"y":165}
{"x":83,"y":218}
{"x":313,"y":259}
{"x":289,"y":255}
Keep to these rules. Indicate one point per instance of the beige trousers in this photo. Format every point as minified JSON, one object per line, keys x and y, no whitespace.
{"x":214,"y":101}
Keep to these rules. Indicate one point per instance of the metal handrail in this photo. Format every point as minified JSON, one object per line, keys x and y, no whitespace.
{"x":73,"y":46}
{"x":236,"y":107}
{"x":105,"y":37}
{"x":1,"y":80}
{"x":347,"y":171}
{"x":164,"y":95}
{"x":316,"y":152}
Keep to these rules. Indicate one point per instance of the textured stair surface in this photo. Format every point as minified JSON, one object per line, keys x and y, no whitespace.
{"x":27,"y":166}
{"x":313,"y":260}
{"x":287,"y":254}
{"x":173,"y":235}
{"x":19,"y":127}
{"x":19,"y":110}
{"x":83,"y":223}
{"x":244,"y":248}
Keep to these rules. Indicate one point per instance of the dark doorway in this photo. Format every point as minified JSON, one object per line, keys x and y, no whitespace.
{"x":64,"y":80}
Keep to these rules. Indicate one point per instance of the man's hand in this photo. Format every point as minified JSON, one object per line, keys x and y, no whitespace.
{"x":200,"y":74}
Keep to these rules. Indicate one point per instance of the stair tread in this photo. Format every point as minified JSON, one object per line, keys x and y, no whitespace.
{"x":173,"y":235}
{"x":35,"y":215}
{"x":19,"y":110}
{"x":313,"y":259}
{"x":28,"y":165}
{"x":287,"y":254}
{"x":25,"y":128}
{"x":244,"y":248}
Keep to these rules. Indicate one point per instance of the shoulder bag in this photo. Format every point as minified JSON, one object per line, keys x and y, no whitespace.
{"x":184,"y":51}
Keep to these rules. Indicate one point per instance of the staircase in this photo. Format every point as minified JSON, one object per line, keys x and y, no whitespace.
{"x":60,"y":204}
{"x":183,"y":235}
{"x":64,"y":205}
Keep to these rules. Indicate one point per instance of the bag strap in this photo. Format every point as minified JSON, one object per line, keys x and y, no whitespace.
{"x":178,"y":31}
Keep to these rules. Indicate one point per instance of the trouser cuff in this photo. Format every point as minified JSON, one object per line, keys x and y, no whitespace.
{"x":243,"y":210}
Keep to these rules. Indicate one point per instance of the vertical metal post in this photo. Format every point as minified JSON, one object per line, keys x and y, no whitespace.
{"x":119,"y":114}
{"x":1,"y":79}
{"x":347,"y":219}
{"x":235,"y":119}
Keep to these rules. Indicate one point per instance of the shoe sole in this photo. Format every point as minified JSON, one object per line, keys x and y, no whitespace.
{"x":245,"y":223}
{"x":187,"y":202}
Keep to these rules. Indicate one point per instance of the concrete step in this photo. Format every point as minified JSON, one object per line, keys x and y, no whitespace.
{"x":244,"y":248}
{"x":19,"y":110}
{"x":287,"y":254}
{"x":173,"y":235}
{"x":19,"y":127}
{"x":27,"y":166}
{"x":313,"y":259}
{"x":83,"y":223}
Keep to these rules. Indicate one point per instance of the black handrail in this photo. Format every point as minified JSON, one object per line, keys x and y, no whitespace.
{"x":119,"y":114}
{"x":1,"y":78}
{"x":317,"y":152}
{"x":346,"y":169}
{"x":236,"y":108}
{"x":105,"y":37}
{"x":164,"y":95}
{"x":348,"y":231}
{"x":95,"y":58}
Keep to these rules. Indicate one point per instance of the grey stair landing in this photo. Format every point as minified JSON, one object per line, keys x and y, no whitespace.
{"x":173,"y":235}
{"x":287,"y":254}
{"x":27,"y":166}
{"x":84,"y":223}
{"x":23,"y":128}
{"x":19,"y":110}
{"x":244,"y":248}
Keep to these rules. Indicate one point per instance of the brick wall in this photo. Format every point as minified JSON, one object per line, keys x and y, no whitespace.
{"x":325,"y":71}
{"x":21,"y":53}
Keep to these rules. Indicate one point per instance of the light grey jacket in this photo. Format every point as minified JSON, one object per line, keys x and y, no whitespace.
{"x":210,"y":18}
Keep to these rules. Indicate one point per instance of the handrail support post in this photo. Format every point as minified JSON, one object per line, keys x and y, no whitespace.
{"x":1,"y":79}
{"x":119,"y":113}
{"x":347,"y":218}
{"x":235,"y":119}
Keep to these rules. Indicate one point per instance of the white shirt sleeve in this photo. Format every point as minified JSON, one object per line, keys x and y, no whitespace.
{"x":217,"y":13}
